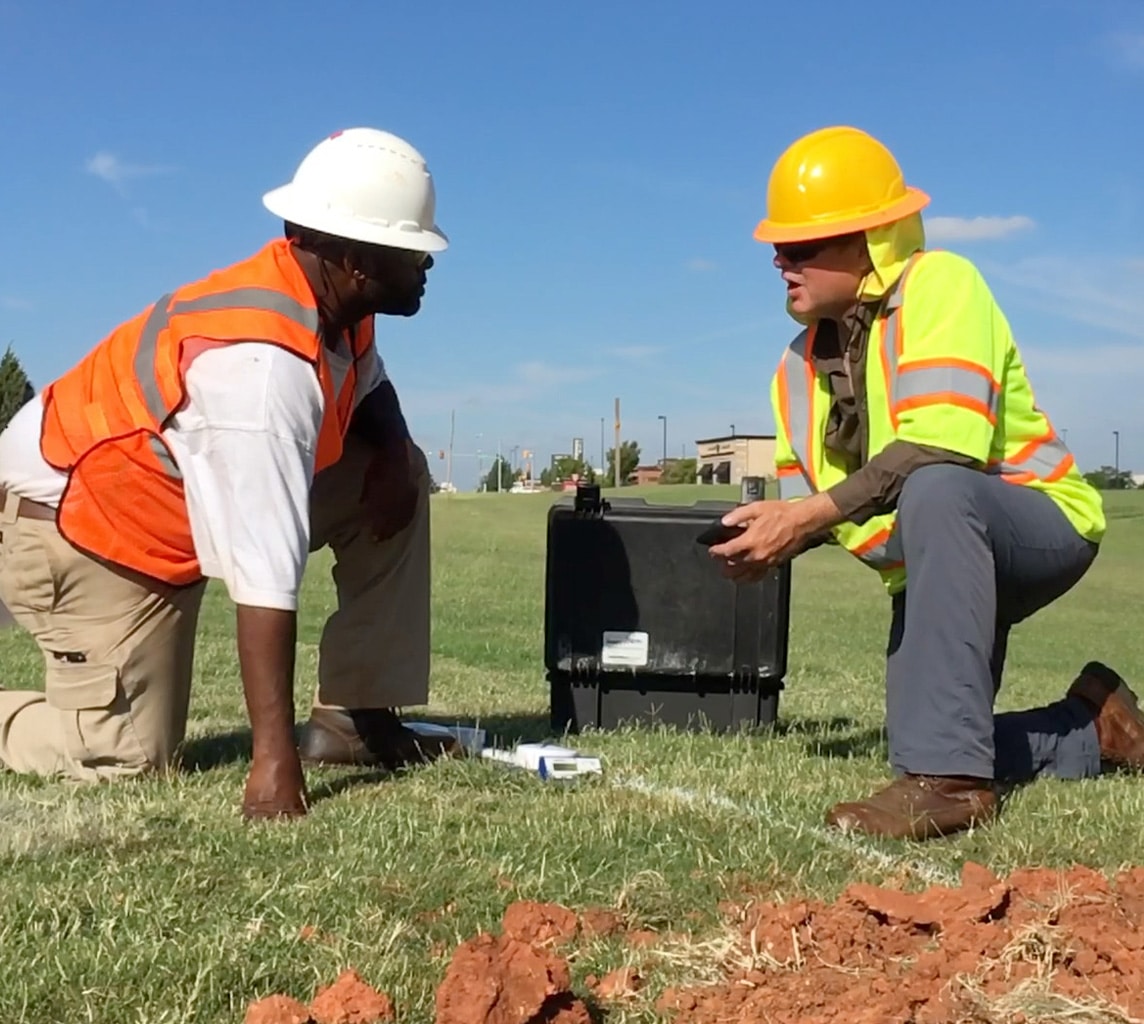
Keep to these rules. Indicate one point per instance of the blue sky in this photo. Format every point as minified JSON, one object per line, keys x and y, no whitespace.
{"x":600,"y":168}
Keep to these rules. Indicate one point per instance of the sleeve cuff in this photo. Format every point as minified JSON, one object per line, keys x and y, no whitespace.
{"x":851,"y":495}
{"x":254,"y":598}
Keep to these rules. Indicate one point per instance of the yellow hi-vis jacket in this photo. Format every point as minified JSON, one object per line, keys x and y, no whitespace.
{"x":942,"y":369}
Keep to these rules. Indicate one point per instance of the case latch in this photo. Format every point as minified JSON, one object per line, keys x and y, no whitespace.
{"x":588,"y":503}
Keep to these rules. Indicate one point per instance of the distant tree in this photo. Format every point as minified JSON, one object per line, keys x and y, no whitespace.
{"x":499,"y":477}
{"x":15,"y":388}
{"x":1108,"y":479}
{"x":629,"y":459}
{"x":679,"y":471}
{"x":566,"y":467}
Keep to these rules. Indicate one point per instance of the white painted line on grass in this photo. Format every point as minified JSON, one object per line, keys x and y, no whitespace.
{"x":931,"y":873}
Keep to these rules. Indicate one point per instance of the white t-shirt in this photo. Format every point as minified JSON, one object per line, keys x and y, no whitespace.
{"x":245,"y":443}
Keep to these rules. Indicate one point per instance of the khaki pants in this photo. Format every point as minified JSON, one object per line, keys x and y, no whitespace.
{"x":119,"y":648}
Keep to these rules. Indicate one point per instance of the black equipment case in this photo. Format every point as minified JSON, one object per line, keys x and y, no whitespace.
{"x":641,"y":627}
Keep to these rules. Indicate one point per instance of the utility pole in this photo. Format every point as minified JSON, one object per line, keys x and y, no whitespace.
{"x":603,"y":461}
{"x":616,"y":459}
{"x":499,"y":467}
{"x":664,"y":418}
{"x":1116,"y":459}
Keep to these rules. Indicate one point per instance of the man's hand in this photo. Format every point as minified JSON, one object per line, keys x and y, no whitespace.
{"x":275,"y":787}
{"x":392,"y":487}
{"x":776,"y":531}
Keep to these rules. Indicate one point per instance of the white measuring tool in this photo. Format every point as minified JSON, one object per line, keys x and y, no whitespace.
{"x":548,"y":760}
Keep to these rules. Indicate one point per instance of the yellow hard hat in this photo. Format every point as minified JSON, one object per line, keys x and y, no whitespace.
{"x":832,"y":182}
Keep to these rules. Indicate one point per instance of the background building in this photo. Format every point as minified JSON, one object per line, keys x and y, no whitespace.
{"x":726,"y":460}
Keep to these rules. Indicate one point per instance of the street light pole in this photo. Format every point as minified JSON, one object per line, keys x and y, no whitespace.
{"x":664,"y":418}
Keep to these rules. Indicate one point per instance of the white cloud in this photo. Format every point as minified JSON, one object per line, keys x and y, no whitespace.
{"x":1085,"y":361}
{"x":116,"y":172}
{"x":636,"y":353}
{"x":538,"y":374}
{"x":975,"y":229}
{"x":1127,"y":49}
{"x":701,"y":266}
{"x":1111,"y":298}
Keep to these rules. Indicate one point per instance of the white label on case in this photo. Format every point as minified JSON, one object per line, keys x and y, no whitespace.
{"x":625,"y":648}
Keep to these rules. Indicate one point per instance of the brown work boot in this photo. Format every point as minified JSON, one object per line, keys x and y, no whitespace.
{"x":1119,"y":723}
{"x":368,"y":736}
{"x":919,"y":807}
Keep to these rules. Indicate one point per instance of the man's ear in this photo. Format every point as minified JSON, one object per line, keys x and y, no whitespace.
{"x":350,"y":268}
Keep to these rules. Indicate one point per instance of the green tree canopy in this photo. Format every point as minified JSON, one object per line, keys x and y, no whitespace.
{"x":505,"y":472}
{"x":629,"y":459}
{"x":15,"y":388}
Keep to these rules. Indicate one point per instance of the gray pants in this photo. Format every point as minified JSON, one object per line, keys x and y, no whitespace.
{"x":981,"y":555}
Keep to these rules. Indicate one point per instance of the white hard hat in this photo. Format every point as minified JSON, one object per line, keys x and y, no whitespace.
{"x":367,"y":185}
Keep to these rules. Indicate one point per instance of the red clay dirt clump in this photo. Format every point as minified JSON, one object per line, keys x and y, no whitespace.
{"x":540,"y":924}
{"x":277,"y":1010}
{"x":975,"y":952}
{"x":515,"y":977}
{"x":349,"y":1000}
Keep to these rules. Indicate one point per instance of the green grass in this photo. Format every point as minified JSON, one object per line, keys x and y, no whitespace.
{"x":151,"y":900}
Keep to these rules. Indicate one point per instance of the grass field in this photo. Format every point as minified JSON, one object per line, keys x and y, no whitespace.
{"x":151,"y":901}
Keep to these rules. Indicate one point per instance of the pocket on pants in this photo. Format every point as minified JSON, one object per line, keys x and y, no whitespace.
{"x":97,"y":730}
{"x":81,"y":686}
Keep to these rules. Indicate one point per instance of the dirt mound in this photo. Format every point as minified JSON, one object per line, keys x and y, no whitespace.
{"x":540,"y":924}
{"x":1038,"y":943}
{"x":502,"y":980}
{"x":517,"y":977}
{"x":512,"y":978}
{"x":349,"y":1000}
{"x":277,"y":1010}
{"x":551,"y":924}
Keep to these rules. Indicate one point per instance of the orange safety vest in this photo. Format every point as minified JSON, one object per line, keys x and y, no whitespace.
{"x":124,"y":500}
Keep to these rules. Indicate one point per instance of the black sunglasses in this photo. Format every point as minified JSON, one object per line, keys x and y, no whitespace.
{"x":801,"y":252}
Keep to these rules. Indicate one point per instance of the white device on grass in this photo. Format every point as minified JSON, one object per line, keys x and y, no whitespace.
{"x":548,"y":760}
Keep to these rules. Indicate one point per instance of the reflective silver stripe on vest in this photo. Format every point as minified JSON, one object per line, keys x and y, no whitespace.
{"x":931,"y":380}
{"x":882,"y":557}
{"x":890,"y":327}
{"x":266,"y":299}
{"x":888,"y":555}
{"x":163,"y":454}
{"x":794,"y":485}
{"x":1046,"y":457}
{"x":798,"y":402}
{"x":145,"y":359}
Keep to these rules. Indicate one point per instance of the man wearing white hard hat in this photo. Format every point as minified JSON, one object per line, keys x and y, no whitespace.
{"x":232,"y":427}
